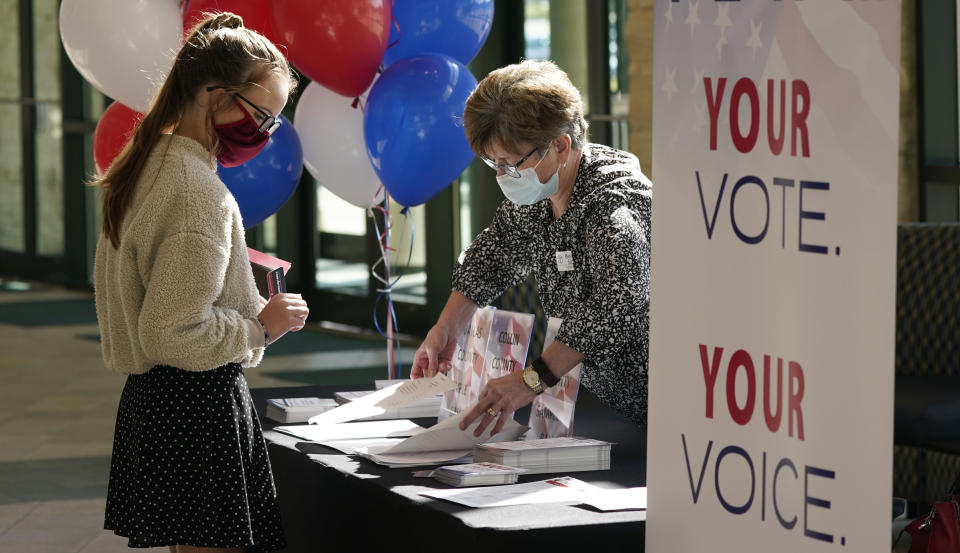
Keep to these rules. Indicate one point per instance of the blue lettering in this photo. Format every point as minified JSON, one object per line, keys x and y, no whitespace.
{"x":815,"y":215}
{"x":815,"y":501}
{"x":779,"y":181}
{"x":716,"y":208}
{"x":696,"y":491}
{"x":753,"y":480}
{"x":776,"y":506}
{"x":749,"y":179}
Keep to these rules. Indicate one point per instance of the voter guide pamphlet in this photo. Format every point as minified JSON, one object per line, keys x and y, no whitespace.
{"x":467,"y":366}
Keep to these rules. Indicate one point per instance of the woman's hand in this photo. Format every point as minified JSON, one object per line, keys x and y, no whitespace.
{"x":284,"y":313}
{"x":502,"y":396}
{"x":435,"y":353}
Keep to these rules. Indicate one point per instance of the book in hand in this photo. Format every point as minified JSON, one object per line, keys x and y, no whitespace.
{"x":270,"y":273}
{"x":547,"y":455}
{"x":477,"y":474}
{"x":297,"y":409}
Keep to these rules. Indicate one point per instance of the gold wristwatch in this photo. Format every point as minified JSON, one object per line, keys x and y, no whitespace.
{"x":532,"y":380}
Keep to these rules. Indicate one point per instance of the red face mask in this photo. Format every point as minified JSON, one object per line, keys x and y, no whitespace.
{"x":240,"y":141}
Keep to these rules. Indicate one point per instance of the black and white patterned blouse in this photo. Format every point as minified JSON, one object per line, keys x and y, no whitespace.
{"x":604,"y":298}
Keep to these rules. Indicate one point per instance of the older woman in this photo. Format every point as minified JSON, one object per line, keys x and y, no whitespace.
{"x":577,"y":215}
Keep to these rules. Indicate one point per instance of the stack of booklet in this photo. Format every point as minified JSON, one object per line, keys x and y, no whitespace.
{"x":476,"y":474}
{"x":426,"y":407}
{"x":442,"y":443}
{"x":298,"y":409}
{"x":547,"y":455}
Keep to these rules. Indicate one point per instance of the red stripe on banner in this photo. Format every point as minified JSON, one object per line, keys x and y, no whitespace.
{"x":801,"y":52}
{"x":885,"y":19}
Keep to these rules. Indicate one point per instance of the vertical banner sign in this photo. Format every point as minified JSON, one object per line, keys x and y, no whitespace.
{"x":772,"y":346}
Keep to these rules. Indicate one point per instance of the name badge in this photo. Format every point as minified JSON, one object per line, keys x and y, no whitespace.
{"x":564,"y":261}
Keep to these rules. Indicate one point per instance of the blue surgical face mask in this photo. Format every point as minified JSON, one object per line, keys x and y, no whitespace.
{"x":527,"y":188}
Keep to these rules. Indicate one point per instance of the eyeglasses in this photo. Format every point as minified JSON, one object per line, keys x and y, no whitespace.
{"x":269,"y":124}
{"x":509,"y":169}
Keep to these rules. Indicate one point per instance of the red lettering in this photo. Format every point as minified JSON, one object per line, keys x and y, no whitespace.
{"x":773,"y":420}
{"x":799,"y":117}
{"x":741,"y":416}
{"x":776,"y":399}
{"x":796,"y":396}
{"x":710,"y":374}
{"x":744,"y":143}
{"x":713,"y":105}
{"x":776,"y":139}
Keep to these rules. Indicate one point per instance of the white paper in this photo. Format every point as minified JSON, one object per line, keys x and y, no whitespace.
{"x":555,"y":490}
{"x":386,"y":383}
{"x":447,"y":436}
{"x":353,"y":430}
{"x":308,"y":402}
{"x":616,"y":500}
{"x":440,"y":443}
{"x":351,"y":446}
{"x":415,"y":458}
{"x":391,"y":397}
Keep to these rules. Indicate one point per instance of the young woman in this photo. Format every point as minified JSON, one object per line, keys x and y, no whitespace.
{"x":178,"y":309}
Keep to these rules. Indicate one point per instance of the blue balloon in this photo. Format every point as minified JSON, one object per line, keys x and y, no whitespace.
{"x":456,"y":28}
{"x":263,"y":184}
{"x":412,"y":126}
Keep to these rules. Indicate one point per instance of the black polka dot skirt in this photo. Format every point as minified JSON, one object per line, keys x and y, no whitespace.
{"x":190,"y":465}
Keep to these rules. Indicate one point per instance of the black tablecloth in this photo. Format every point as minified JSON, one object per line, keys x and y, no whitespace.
{"x":335,"y":502}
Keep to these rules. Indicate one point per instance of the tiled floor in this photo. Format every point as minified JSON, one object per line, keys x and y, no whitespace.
{"x":57,"y":408}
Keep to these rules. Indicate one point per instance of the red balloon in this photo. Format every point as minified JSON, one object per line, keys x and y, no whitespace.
{"x":113,"y":131}
{"x":255,"y":13}
{"x":337,"y":43}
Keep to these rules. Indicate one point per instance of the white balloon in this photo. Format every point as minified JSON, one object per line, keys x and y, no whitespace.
{"x":125,"y":48}
{"x":331,"y":132}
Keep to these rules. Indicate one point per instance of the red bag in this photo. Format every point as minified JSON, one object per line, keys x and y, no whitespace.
{"x":939,"y":531}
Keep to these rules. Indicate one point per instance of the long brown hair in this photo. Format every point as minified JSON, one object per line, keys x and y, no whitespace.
{"x":219,"y":50}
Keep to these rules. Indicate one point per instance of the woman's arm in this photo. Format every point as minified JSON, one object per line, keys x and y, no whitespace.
{"x":436,"y":351}
{"x":508,"y":393}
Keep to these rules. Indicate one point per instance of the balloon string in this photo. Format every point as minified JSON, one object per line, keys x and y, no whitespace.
{"x":384,"y":247}
{"x":387,"y":289}
{"x":393,"y":20}
{"x":396,"y":329}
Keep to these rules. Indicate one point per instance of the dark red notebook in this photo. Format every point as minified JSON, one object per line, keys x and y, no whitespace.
{"x":268,"y":272}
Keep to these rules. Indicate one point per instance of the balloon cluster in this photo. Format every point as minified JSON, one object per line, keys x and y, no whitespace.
{"x":381,"y":115}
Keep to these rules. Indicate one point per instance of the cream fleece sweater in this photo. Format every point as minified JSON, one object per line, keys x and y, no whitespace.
{"x":179,"y":290}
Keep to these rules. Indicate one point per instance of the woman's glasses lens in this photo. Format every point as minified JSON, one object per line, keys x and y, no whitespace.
{"x":508,"y":169}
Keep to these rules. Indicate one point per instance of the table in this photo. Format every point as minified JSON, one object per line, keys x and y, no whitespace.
{"x":334,"y":502}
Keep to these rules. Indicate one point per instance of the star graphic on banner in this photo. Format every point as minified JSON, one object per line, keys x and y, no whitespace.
{"x":670,"y":84}
{"x":669,"y":14}
{"x":693,"y":19}
{"x":721,"y":42}
{"x":697,"y":79}
{"x":723,"y":18}
{"x":701,"y":119}
{"x":754,"y":42}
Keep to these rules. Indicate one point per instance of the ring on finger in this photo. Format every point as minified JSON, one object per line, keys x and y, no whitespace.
{"x":492,"y":413}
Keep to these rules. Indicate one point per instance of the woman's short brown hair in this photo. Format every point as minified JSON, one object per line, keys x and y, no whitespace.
{"x":531,"y":102}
